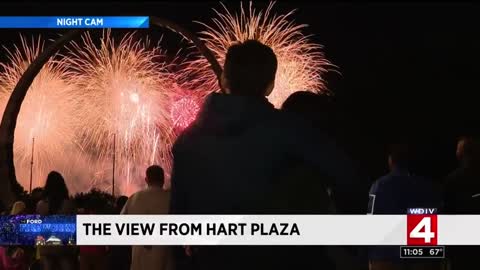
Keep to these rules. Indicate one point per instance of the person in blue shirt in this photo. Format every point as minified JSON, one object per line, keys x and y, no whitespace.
{"x":393,"y":194}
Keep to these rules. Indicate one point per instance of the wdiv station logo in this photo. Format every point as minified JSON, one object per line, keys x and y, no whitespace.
{"x":422,"y":235}
{"x":422,"y":227}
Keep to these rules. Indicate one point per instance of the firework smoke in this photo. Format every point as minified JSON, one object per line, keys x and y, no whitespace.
{"x":125,"y":93}
{"x":47,"y":115}
{"x":301,"y":62}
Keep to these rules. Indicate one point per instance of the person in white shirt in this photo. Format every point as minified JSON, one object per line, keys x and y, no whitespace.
{"x":152,"y":201}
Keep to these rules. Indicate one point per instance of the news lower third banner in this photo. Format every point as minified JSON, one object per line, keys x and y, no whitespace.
{"x":365,"y":230}
{"x":67,"y":22}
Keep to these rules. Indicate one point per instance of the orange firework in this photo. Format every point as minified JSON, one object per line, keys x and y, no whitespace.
{"x":301,"y":62}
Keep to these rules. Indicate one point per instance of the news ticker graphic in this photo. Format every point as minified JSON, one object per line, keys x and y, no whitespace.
{"x":428,"y":252}
{"x":30,"y":230}
{"x":363,"y":230}
{"x":66,"y":22}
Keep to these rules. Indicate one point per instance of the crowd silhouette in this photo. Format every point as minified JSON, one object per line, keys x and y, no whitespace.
{"x":243,"y":156}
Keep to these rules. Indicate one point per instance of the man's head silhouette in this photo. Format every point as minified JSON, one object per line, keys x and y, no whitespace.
{"x":468,"y":149}
{"x":249,"y":69}
{"x":154,"y":176}
{"x":400,"y":156}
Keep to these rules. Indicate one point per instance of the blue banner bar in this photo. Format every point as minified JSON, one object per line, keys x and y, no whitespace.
{"x":74,"y":22}
{"x":31,"y":230}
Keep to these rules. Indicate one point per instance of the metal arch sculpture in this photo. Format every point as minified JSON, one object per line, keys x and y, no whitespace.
{"x":12,"y":109}
{"x":10,"y":115}
{"x":217,"y":69}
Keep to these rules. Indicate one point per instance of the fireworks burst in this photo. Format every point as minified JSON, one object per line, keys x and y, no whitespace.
{"x":123,"y":89}
{"x":185,"y":106}
{"x":47,"y":115}
{"x":301,"y":62}
{"x":184,"y":111}
{"x":126,"y":89}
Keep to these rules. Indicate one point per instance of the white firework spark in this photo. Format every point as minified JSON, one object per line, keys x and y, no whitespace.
{"x":125,"y":93}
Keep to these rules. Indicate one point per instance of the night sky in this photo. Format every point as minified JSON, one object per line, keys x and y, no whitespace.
{"x":407,"y":70}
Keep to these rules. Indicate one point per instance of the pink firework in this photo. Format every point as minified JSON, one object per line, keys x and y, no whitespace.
{"x":184,"y":111}
{"x":301,"y":62}
{"x":47,"y":119}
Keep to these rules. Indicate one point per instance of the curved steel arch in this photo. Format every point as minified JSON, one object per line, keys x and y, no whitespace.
{"x":194,"y":39}
{"x":12,"y":109}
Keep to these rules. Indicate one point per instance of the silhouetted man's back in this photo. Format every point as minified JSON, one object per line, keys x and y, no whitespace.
{"x":227,"y":160}
{"x":462,"y":191}
{"x":462,"y":196}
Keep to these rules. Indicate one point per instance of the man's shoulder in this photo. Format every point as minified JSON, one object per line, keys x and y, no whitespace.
{"x":141,"y":202}
{"x":388,"y":183}
{"x":148,"y":192}
{"x":288,"y":119}
{"x":270,"y":120}
{"x":382,"y":181}
{"x":457,"y":173}
{"x":182,"y":139}
{"x":455,"y":180}
{"x":463,"y":175}
{"x":295,"y":126}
